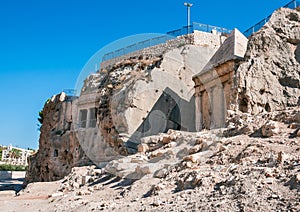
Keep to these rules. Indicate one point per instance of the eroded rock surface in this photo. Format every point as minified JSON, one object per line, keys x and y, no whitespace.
{"x":135,"y":97}
{"x":59,"y":149}
{"x":269,"y":79}
{"x":146,"y":95}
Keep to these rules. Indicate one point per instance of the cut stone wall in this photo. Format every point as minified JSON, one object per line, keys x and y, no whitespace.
{"x":152,"y":90}
{"x":156,"y":50}
{"x":203,"y":38}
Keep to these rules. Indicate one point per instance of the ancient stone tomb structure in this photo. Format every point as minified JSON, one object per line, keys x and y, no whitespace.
{"x":215,"y":83}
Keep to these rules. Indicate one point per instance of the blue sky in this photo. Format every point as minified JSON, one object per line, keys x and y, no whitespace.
{"x":45,"y":44}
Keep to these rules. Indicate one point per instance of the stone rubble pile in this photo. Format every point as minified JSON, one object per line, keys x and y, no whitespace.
{"x":264,"y":124}
{"x":197,"y":170}
{"x":263,"y":170}
{"x":79,"y":180}
{"x":156,"y":154}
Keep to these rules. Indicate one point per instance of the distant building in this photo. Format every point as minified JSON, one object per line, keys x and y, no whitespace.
{"x":14,"y":155}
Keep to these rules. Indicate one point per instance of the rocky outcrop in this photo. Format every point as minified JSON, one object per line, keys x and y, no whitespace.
{"x":269,"y":78}
{"x":135,"y":97}
{"x":146,"y":95}
{"x":59,"y":148}
{"x":257,"y":125}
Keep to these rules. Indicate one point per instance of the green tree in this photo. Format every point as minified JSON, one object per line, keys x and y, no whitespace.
{"x":41,"y":117}
{"x":15,"y":153}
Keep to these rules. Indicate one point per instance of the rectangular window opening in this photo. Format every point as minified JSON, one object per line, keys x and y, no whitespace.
{"x":93,"y":117}
{"x":55,"y":154}
{"x":82,"y":118}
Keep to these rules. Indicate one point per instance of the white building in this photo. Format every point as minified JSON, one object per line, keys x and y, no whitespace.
{"x":21,"y":159}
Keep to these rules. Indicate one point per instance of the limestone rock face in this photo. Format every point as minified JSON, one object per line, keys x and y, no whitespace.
{"x":59,"y":149}
{"x":121,"y":103}
{"x":146,"y":95}
{"x":269,"y":78}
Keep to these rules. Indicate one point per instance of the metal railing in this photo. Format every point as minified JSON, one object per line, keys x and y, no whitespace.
{"x":69,"y":92}
{"x":136,"y":46}
{"x":256,"y":27}
{"x":187,"y":30}
{"x":200,"y":27}
{"x":163,"y":39}
{"x":292,"y":5}
{"x":183,"y":31}
{"x":210,"y":28}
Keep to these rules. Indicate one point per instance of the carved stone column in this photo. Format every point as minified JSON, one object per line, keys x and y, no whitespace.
{"x":198,"y":111}
{"x":211,"y":107}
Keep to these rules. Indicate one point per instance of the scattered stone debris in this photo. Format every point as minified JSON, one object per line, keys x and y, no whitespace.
{"x":252,"y":173}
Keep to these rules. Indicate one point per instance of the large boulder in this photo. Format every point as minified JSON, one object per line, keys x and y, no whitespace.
{"x":269,"y":78}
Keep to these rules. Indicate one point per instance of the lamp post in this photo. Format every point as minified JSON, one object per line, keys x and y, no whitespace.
{"x":188,"y":6}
